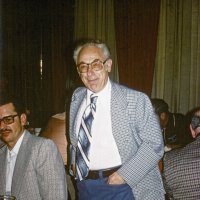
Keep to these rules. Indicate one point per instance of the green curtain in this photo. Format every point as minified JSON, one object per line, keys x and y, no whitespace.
{"x":177,"y":67}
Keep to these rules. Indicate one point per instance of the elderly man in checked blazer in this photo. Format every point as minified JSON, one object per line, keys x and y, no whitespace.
{"x":126,"y":142}
{"x":182,"y":166}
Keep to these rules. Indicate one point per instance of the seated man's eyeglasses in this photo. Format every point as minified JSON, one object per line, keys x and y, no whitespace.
{"x":95,"y":65}
{"x":8,"y":119}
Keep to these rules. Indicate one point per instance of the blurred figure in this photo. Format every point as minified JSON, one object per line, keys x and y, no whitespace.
{"x":181,"y":173}
{"x":172,"y":124}
{"x":31,"y":167}
{"x":56,"y":130}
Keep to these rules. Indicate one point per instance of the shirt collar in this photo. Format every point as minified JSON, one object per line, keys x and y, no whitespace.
{"x":15,"y":149}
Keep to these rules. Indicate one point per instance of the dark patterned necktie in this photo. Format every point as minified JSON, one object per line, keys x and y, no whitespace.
{"x":84,"y":138}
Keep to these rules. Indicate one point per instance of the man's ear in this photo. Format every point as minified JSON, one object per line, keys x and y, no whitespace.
{"x":108,"y":65}
{"x":192,"y":132}
{"x":23,"y":119}
{"x":78,"y":71}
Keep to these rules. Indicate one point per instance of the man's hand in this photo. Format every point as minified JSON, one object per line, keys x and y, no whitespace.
{"x":116,"y":179}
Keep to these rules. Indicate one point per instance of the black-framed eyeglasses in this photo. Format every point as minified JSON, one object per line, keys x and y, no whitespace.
{"x":96,"y":65}
{"x":8,"y":119}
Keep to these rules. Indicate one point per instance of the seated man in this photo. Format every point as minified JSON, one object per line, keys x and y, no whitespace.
{"x":31,"y":167}
{"x":172,"y":125}
{"x":181,"y":173}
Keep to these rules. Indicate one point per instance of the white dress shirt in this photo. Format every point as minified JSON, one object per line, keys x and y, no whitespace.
{"x":103,"y":153}
{"x":11,"y":159}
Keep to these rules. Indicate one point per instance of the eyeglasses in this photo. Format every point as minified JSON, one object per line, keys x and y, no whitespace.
{"x":195,"y":122}
{"x":8,"y":119}
{"x":95,"y":65}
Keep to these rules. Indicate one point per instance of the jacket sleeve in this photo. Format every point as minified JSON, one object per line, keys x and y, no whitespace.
{"x":146,"y":131}
{"x":51,"y":172}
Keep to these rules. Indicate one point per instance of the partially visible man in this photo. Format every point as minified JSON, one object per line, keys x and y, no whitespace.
{"x":56,"y":131}
{"x":31,"y":167}
{"x":116,"y":140}
{"x":181,"y":173}
{"x":173,"y":125}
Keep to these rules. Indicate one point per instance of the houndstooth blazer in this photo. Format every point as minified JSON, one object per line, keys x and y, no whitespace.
{"x":39,"y":171}
{"x":137,"y":133}
{"x":182,"y":172}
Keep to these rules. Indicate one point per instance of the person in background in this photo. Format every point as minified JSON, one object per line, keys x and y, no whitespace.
{"x":56,"y":130}
{"x":31,"y":167}
{"x":181,"y":173}
{"x":117,"y":143}
{"x":173,"y":125}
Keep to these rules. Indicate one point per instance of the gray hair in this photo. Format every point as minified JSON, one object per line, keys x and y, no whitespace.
{"x":95,"y":43}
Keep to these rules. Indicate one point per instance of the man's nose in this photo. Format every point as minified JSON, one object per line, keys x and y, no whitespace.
{"x":89,"y":69}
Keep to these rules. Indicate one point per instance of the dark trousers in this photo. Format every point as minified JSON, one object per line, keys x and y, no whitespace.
{"x":99,"y":190}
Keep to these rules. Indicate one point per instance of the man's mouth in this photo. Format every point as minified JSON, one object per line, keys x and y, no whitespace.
{"x":4,"y":133}
{"x":92,"y":80}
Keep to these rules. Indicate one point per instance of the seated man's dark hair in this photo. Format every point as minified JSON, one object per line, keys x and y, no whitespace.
{"x":6,"y":98}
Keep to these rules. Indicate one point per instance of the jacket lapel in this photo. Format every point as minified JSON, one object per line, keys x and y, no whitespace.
{"x":3,"y":153}
{"x":119,"y":115}
{"x":77,"y":100}
{"x":21,"y":164}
